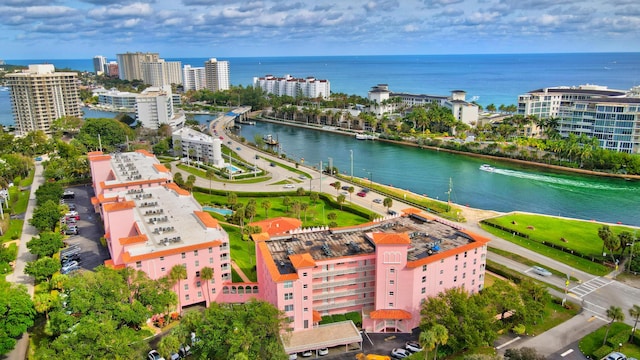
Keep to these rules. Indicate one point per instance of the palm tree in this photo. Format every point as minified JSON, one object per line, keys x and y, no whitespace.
{"x":340,"y":200}
{"x":387,"y":202}
{"x":210,"y":174}
{"x":337,"y":186}
{"x":351,"y":190}
{"x":615,"y":314}
{"x":604,"y":233}
{"x":266,"y":205}
{"x":634,"y":312}
{"x":206,"y":274}
{"x":428,"y":341}
{"x":176,"y":275}
{"x":441,"y":335}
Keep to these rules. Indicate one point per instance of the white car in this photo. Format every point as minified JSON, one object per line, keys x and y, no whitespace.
{"x":289,"y":186}
{"x":154,"y":355}
{"x":412,"y":346}
{"x":541,"y":271}
{"x":399,"y":353}
{"x":307,"y":353}
{"x":323,"y":352}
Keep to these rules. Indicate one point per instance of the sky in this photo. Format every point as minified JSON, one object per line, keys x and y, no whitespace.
{"x":73,"y":29}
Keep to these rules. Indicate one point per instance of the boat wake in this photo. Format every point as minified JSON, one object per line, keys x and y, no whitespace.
{"x":563,"y":181}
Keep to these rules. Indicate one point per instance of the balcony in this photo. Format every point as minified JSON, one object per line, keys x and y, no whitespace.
{"x":343,"y":304}
{"x":343,"y":293}
{"x":354,"y":270}
{"x":330,"y":284}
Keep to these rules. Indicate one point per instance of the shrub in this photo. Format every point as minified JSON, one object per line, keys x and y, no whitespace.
{"x":339,"y":317}
{"x":602,"y":352}
{"x":621,"y":337}
{"x":354,"y":316}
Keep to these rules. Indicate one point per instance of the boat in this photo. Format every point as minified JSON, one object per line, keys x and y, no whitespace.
{"x":364,"y":137}
{"x":269,"y":140}
{"x":487,"y":167}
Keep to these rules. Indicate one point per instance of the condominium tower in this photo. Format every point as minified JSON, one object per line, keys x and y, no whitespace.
{"x":217,"y":74}
{"x":160,"y":73}
{"x":193,"y":78}
{"x":41,"y":95}
{"x":100,"y":64}
{"x":130,"y":64}
{"x":288,"y":85}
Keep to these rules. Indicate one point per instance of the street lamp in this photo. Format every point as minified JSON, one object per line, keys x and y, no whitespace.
{"x":370,"y":177}
{"x":351,"y":155}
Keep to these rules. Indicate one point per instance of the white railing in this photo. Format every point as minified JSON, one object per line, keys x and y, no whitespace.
{"x":354,"y":270}
{"x":337,"y":294}
{"x":329,"y":284}
{"x":343,"y":304}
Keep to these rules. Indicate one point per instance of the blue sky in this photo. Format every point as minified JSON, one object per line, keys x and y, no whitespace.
{"x":70,"y":29}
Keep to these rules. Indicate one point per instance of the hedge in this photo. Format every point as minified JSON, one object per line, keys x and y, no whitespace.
{"x":620,"y":338}
{"x":602,"y":351}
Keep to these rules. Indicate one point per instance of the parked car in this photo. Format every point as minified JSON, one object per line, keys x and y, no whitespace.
{"x":377,"y":201}
{"x":541,"y":271}
{"x":289,"y":186}
{"x":293,"y":356}
{"x":399,"y":353}
{"x":412,"y":346}
{"x":238,"y":148}
{"x":68,"y":194}
{"x":184,"y":351}
{"x":154,"y":355}
{"x":307,"y":353}
{"x":68,"y":269}
{"x":71,"y":230}
{"x":365,"y":190}
{"x":73,"y":214}
{"x":392,"y":212}
{"x":323,"y":352}
{"x":616,"y":356}
{"x":362,"y":194}
{"x":345,"y":187}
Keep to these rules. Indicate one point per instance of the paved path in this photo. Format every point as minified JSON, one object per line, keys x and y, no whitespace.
{"x":24,"y":256}
{"x":240,"y":272}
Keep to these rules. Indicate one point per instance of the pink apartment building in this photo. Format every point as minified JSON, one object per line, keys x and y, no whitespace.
{"x":384,"y":269}
{"x":152,"y":225}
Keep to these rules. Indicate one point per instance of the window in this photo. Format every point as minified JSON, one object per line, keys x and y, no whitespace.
{"x":464,"y":275}
{"x":161,"y":258}
{"x":186,"y":287}
{"x":305,"y":298}
{"x":304,"y":286}
{"x":195,"y":252}
{"x":441,"y":261}
{"x":464,"y":265}
{"x":440,"y":282}
{"x":455,"y":278}
{"x":457,"y":256}
{"x":390,"y":305}
{"x":213,"y":290}
{"x":424,"y":267}
{"x":138,"y":264}
{"x":197,"y":273}
{"x":210,"y":260}
{"x":475,"y":251}
{"x":199,"y":293}
{"x":198,"y":284}
{"x":184,"y":255}
{"x":288,"y":284}
{"x":474,"y":271}
{"x":424,"y":290}
{"x":210,"y":250}
{"x":465,"y":254}
{"x":288,"y":307}
{"x":186,"y":297}
{"x":392,"y":270}
{"x":163,"y":269}
{"x":475,"y":261}
{"x":304,"y":274}
{"x":197,"y":263}
{"x":455,"y":268}
{"x":441,"y":272}
{"x":305,"y":309}
{"x":288,"y":296}
{"x":306,"y":324}
{"x":391,"y":282}
{"x":424,"y":279}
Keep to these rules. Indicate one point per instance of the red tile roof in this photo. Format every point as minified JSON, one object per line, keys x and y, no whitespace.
{"x":128,"y":258}
{"x":122,"y":205}
{"x":206,"y":219}
{"x":279,"y":225}
{"x":391,"y":239}
{"x":316,"y":316}
{"x":390,"y":314}
{"x":176,"y":188}
{"x":300,"y":261}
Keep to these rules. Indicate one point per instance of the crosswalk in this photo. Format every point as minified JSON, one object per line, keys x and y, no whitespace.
{"x":590,"y":286}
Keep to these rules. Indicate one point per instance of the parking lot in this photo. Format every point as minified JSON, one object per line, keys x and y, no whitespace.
{"x":380,"y":344}
{"x":92,"y":253}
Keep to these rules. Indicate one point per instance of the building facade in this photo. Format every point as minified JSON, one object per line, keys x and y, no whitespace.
{"x":193,"y":78}
{"x":153,"y":225}
{"x":611,"y":116}
{"x":160,"y":73}
{"x":41,"y":95}
{"x":154,"y":107}
{"x":383,"y":269}
{"x":112,"y":69}
{"x":197,"y":146}
{"x":130,"y":64}
{"x":117,"y":100}
{"x":217,"y":74}
{"x":384,"y":102}
{"x":100,"y":65}
{"x":295,"y":87}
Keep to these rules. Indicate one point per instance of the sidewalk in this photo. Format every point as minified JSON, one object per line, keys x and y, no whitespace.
{"x":240,"y":272}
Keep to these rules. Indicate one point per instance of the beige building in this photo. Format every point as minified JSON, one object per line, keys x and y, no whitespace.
{"x":41,"y":95}
{"x":130,"y":64}
{"x":217,"y":74}
{"x":160,"y":73}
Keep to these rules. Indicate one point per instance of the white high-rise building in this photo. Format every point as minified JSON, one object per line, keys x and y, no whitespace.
{"x":100,"y":64}
{"x":288,"y":85}
{"x":193,"y":78}
{"x":198,"y":146}
{"x":160,"y":73}
{"x":41,"y":95}
{"x":130,"y":64}
{"x":154,"y":107}
{"x":217,"y":74}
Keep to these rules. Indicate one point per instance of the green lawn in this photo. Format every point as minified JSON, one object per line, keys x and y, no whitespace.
{"x":554,"y":315}
{"x":526,"y":261}
{"x":243,"y":252}
{"x":593,"y":341}
{"x":581,"y":236}
{"x":14,"y":231}
{"x":572,"y":260}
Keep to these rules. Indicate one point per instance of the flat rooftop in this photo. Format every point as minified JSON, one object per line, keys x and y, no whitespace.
{"x":168,"y":220}
{"x":427,"y":238}
{"x":322,"y":336}
{"x":133,"y":166}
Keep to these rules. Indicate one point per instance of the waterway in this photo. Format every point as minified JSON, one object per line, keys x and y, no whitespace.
{"x":511,"y":187}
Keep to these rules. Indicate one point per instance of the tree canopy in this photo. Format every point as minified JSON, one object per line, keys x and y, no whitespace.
{"x":108,"y":133}
{"x":16,"y":315}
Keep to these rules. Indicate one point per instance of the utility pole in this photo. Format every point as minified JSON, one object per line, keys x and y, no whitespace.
{"x":351,"y":155}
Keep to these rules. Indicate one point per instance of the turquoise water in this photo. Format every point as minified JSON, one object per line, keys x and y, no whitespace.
{"x":510,"y":187}
{"x":225,"y":212}
{"x":232,"y":169}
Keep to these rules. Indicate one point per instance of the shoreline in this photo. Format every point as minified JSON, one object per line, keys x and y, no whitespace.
{"x":481,"y":156}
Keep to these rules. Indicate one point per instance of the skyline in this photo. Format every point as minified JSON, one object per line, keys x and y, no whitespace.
{"x":73,"y":29}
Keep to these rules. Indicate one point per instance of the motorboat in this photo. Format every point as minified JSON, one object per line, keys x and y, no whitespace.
{"x":487,"y":167}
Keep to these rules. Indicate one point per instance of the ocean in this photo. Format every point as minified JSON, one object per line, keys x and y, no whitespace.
{"x":489,"y":78}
